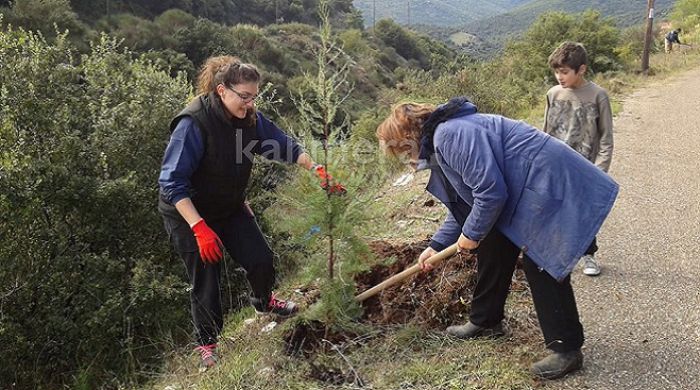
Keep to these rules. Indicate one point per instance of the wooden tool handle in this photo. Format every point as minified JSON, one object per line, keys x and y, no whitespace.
{"x":401,"y":276}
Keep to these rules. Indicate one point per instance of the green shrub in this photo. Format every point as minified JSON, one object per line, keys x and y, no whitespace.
{"x":47,"y":16}
{"x":89,"y":285}
{"x":525,"y":60}
{"x":686,"y":14}
{"x":686,"y":11}
{"x":406,"y":44}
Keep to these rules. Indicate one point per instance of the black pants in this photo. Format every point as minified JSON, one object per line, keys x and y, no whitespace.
{"x":554,"y":301}
{"x":593,"y":248}
{"x":246,"y":244}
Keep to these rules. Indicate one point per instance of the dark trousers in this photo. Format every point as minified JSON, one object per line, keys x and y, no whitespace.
{"x":246,"y":244}
{"x":593,"y":248}
{"x":554,"y":301}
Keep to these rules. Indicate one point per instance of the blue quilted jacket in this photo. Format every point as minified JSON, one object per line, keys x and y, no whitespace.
{"x":494,"y":172}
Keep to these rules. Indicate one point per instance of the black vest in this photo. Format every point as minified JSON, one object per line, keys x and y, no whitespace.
{"x":218,"y":186}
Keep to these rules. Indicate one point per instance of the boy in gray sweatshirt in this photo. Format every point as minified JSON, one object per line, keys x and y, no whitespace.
{"x":578,"y":112}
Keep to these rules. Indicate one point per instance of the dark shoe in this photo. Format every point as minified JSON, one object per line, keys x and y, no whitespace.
{"x":208,"y":355}
{"x":274,"y":305}
{"x":471,"y":331}
{"x":558,"y":364}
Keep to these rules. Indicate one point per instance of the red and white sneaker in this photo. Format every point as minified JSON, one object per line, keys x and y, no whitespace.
{"x":274,"y":305}
{"x":208,"y":355}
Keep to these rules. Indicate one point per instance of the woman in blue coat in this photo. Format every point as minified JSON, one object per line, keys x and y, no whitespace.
{"x":509,"y":188}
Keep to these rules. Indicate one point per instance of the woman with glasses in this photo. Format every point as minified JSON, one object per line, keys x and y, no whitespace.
{"x":203,"y":181}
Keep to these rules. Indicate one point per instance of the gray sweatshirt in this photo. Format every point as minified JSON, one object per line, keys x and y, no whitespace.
{"x":582,"y":118}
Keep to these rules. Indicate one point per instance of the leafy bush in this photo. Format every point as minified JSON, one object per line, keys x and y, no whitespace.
{"x":687,"y":11}
{"x":478,"y":82}
{"x":687,"y":14}
{"x":135,"y":32}
{"x":89,"y":288}
{"x":365,"y":127}
{"x":525,"y":61}
{"x":406,"y":44}
{"x":354,"y":43}
{"x":203,"y":39}
{"x":253,"y":46}
{"x":631,"y":45}
{"x":46,"y":16}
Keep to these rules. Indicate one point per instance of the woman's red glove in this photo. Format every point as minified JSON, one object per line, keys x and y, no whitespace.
{"x":208,"y":242}
{"x":327,"y":181}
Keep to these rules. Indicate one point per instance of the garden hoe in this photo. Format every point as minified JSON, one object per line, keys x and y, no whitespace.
{"x":403,"y":275}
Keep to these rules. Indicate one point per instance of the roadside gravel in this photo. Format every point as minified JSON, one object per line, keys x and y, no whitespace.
{"x":642,"y":315}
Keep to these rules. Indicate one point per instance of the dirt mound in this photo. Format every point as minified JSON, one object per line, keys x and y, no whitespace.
{"x":431,"y":300}
{"x":434,"y":299}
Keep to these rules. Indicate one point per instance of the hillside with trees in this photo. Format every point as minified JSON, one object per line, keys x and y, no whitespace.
{"x":624,"y":13}
{"x":181,"y":40}
{"x":482,"y":29}
{"x":433,"y":12}
{"x":258,"y":12}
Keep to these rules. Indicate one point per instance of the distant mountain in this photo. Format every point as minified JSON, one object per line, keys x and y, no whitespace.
{"x":518,"y":19}
{"x":484,"y":36}
{"x":433,"y":12}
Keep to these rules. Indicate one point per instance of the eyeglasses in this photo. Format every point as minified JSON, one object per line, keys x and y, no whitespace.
{"x":246,"y":97}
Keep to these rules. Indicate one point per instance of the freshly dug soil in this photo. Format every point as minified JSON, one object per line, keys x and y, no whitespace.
{"x":433,"y":299}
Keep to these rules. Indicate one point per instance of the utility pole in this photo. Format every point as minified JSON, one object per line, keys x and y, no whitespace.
{"x":374,"y":14}
{"x":277,"y":12}
{"x":408,"y":8}
{"x":648,"y":36}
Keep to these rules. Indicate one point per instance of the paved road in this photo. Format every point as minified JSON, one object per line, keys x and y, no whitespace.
{"x":642,"y":315}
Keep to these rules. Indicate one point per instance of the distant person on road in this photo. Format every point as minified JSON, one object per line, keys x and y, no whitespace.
{"x":509,"y":188}
{"x":578,"y":112}
{"x":671,"y":38}
{"x":203,"y":183}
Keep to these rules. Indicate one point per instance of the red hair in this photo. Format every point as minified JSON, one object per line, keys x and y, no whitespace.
{"x":401,"y":130}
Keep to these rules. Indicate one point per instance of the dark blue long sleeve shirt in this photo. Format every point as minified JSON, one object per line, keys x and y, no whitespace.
{"x":186,"y":148}
{"x":673,"y":37}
